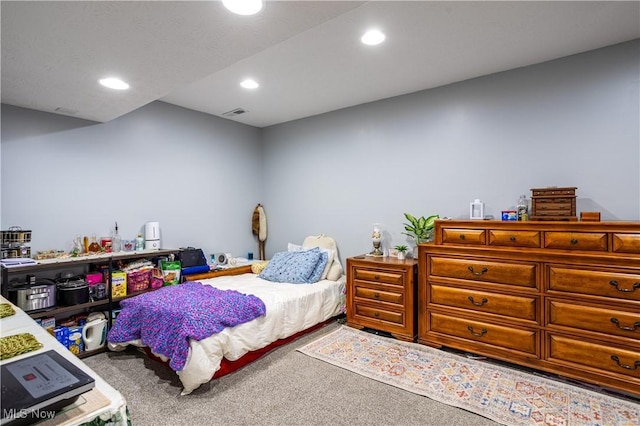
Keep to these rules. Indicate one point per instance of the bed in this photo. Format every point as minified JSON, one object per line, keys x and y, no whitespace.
{"x":289,"y":309}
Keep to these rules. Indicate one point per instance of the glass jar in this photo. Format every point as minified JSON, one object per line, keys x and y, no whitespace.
{"x":94,"y":247}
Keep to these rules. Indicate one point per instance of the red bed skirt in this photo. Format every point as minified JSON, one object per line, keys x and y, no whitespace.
{"x":227,"y":366}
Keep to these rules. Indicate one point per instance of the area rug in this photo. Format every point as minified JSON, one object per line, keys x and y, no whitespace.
{"x":502,"y":394}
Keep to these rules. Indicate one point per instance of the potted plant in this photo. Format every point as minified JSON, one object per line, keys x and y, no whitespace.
{"x":402,"y":249}
{"x":419,"y":228}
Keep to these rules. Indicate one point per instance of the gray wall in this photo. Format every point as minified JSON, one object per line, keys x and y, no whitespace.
{"x":198,"y":175}
{"x":569,"y":122}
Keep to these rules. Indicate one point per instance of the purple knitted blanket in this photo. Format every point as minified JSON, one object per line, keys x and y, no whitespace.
{"x":167,"y":318}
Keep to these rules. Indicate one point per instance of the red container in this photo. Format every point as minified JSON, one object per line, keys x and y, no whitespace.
{"x":138,"y":281}
{"x":105,"y":243}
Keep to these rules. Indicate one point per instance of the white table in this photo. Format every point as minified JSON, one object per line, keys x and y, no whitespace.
{"x":103,"y":401}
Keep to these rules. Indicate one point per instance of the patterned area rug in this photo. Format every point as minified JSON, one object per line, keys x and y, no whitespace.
{"x":505,"y":395}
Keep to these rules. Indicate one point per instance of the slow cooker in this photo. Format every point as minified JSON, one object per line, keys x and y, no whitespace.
{"x":33,"y":297}
{"x":72,"y":291}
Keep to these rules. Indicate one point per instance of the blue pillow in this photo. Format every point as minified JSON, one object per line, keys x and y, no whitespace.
{"x":293,"y":267}
{"x":319,"y":269}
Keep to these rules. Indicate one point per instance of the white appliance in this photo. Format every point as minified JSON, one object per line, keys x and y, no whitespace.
{"x":94,"y":332}
{"x":152,"y":236}
{"x":219,"y":259}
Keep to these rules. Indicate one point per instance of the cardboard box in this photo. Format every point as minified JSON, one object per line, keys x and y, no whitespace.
{"x":118,"y":284}
{"x":62,"y":335}
{"x":48,"y":323}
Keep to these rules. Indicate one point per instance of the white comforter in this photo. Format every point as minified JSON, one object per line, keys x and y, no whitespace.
{"x":290,"y":308}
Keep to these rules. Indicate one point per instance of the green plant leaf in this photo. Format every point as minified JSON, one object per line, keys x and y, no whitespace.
{"x":419,"y":228}
{"x":431,"y":221}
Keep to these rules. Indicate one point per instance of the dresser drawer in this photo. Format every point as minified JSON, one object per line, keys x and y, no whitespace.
{"x":379,"y":294}
{"x":386,"y":276}
{"x":464,"y":236}
{"x":553,"y":192}
{"x":376,"y":313}
{"x":597,"y":283}
{"x":554,"y":205}
{"x":625,"y":362}
{"x":491,"y":334}
{"x":514,"y":238}
{"x":568,"y":201}
{"x":552,"y":213}
{"x":593,"y":241}
{"x":626,"y":243}
{"x":483,"y":301}
{"x":518,"y":274}
{"x":601,"y":320}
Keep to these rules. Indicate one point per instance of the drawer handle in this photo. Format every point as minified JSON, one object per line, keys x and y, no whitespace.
{"x":621,"y":327}
{"x":376,"y":277}
{"x":376,"y":295}
{"x":484,"y":300}
{"x":462,"y":236}
{"x":512,"y":238}
{"x":482,"y":272}
{"x":482,"y":332}
{"x":574,"y":241}
{"x":625,"y":366}
{"x":625,"y":290}
{"x":377,"y":314}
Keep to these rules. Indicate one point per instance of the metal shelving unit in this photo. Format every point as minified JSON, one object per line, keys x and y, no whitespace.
{"x":46,"y":268}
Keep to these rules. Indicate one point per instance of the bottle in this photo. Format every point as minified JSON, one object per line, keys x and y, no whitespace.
{"x":523,"y":208}
{"x":94,"y":247}
{"x":139,"y":242}
{"x":116,"y":242}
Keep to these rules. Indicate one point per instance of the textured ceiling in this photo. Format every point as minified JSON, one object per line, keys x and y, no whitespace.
{"x":305,"y":54}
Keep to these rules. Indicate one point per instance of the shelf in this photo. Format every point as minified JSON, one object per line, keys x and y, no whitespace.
{"x":111,"y":260}
{"x":137,"y":293}
{"x":86,"y":354}
{"x":62,"y":309}
{"x":93,"y":258}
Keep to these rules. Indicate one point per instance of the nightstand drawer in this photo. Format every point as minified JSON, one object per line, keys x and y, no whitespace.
{"x":593,"y":241}
{"x":379,"y":295}
{"x":483,"y":301}
{"x":518,"y":274}
{"x":376,"y":313}
{"x":379,"y":276}
{"x":491,"y":334}
{"x":619,"y":285}
{"x":514,"y":238}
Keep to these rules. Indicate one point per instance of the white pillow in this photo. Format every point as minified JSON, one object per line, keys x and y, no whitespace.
{"x":322,"y":241}
{"x":294,"y":247}
{"x":336,"y":271}
{"x":331,"y":254}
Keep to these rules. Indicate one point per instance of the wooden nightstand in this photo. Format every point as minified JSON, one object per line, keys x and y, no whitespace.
{"x":381,"y":295}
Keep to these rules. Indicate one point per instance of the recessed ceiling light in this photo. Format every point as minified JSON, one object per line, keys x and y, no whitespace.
{"x":243,"y":7}
{"x":114,"y":83}
{"x":249,"y":84}
{"x":372,"y":37}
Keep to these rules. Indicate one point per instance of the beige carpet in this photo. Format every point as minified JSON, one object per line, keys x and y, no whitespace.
{"x":505,"y":395}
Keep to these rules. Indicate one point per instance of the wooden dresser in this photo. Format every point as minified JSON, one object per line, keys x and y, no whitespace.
{"x":563,"y":297}
{"x":381,"y":295}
